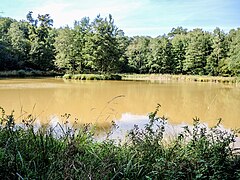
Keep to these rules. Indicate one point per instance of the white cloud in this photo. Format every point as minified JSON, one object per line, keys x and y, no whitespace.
{"x":64,"y":13}
{"x":56,"y":11}
{"x":135,"y":17}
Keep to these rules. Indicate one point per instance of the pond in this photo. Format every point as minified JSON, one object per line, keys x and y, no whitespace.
{"x":127,"y":102}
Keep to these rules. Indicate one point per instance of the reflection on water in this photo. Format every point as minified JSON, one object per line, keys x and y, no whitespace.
{"x":103,"y":101}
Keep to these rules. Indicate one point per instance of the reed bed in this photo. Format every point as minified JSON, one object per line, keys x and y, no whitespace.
{"x":168,"y":77}
{"x":92,"y":76}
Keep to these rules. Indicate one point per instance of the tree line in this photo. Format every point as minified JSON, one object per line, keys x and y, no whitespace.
{"x":99,"y":46}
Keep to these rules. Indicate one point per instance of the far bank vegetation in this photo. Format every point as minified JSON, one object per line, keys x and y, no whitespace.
{"x":98,"y":46}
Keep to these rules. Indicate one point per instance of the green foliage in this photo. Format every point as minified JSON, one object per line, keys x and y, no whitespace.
{"x":218,"y":54}
{"x":234,"y":54}
{"x":98,"y":46}
{"x":177,"y":31}
{"x":179,"y":44}
{"x":66,"y":152}
{"x":70,"y":46}
{"x":19,"y":42}
{"x":197,"y":50}
{"x":41,"y":38}
{"x":25,"y":73}
{"x":26,"y":45}
{"x":92,"y":76}
{"x":170,"y":77}
{"x":102,"y":45}
{"x":160,"y":60}
{"x":7,"y":55}
{"x":63,"y":47}
{"x":8,"y":60}
{"x":137,"y":53}
{"x":4,"y":26}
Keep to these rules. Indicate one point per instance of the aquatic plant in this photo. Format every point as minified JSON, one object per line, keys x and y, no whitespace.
{"x":92,"y":76}
{"x":170,"y":77}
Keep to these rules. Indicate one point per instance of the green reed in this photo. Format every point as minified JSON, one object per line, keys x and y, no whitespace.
{"x":92,"y":76}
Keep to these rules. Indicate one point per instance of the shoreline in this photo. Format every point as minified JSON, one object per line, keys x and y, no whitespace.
{"x":28,"y":74}
{"x":169,"y":77}
{"x":118,"y":76}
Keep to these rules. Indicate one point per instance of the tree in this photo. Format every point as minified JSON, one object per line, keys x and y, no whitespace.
{"x":177,"y":31}
{"x":218,"y":53}
{"x":4,"y":26}
{"x":138,"y":53}
{"x":41,"y":41}
{"x":123,"y":43}
{"x":70,"y":46}
{"x":154,"y":56}
{"x":179,"y":44}
{"x":197,"y":51}
{"x":99,"y":46}
{"x":63,"y":46}
{"x":7,"y":55}
{"x":234,"y":54}
{"x":160,"y":60}
{"x":19,"y":43}
{"x":81,"y":31}
{"x":103,"y":46}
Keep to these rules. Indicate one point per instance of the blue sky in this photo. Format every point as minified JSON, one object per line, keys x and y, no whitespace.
{"x":134,"y":17}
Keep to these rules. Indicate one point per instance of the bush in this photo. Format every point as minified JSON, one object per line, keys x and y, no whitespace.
{"x":112,"y":77}
{"x":44,"y":153}
{"x":93,"y":76}
{"x":67,"y":76}
{"x":21,"y":73}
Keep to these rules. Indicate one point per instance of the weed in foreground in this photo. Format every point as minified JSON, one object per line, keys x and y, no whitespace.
{"x":196,"y":153}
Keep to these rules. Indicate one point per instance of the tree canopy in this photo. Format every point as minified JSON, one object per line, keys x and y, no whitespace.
{"x":99,"y":46}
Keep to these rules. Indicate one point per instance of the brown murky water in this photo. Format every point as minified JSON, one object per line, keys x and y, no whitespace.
{"x":103,"y":101}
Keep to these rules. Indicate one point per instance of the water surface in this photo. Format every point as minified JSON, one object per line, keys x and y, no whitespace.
{"x":103,"y":101}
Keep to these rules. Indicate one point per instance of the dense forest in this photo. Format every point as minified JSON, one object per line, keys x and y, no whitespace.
{"x":99,"y":46}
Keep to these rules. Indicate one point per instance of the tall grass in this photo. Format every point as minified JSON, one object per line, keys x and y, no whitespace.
{"x":43,"y":153}
{"x":92,"y":76}
{"x":169,"y":77}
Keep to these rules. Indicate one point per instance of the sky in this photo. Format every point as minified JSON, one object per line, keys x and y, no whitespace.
{"x":134,"y":17}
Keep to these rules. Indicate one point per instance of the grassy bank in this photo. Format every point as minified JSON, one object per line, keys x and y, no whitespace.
{"x":151,"y":77}
{"x":168,"y":77}
{"x":196,"y":153}
{"x":30,"y":73}
{"x":92,"y":76}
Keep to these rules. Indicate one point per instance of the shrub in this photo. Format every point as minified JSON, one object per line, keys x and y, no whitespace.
{"x":73,"y":153}
{"x":77,"y":77}
{"x":21,"y":73}
{"x":93,"y":76}
{"x":67,"y":76}
{"x":112,"y":77}
{"x":83,"y":77}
